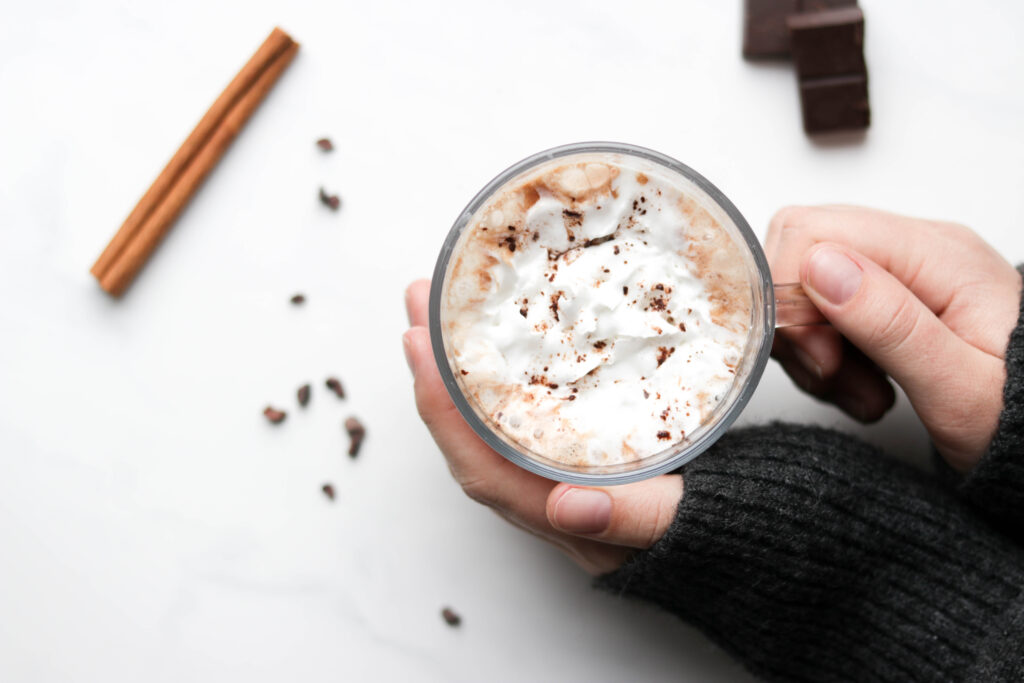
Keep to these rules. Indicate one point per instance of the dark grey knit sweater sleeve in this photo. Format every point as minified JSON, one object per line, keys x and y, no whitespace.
{"x":996,"y":485}
{"x":811,"y":557}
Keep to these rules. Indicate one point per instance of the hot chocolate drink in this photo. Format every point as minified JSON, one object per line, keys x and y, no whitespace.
{"x":597,"y":309}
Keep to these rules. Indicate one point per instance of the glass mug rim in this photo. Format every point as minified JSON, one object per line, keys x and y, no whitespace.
{"x":687,"y":450}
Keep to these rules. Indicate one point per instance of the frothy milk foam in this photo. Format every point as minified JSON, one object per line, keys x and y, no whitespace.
{"x":596,"y":309}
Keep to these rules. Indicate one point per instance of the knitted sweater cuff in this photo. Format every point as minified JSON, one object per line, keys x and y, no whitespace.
{"x":996,"y":484}
{"x":808,"y":556}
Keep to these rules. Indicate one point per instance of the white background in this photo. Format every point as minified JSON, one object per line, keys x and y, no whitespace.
{"x":154,"y":527}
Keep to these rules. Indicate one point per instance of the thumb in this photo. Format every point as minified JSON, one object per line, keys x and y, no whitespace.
{"x":633,"y":515}
{"x":882,"y":318}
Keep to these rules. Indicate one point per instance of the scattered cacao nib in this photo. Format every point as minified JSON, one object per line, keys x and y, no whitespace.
{"x":356,"y":432}
{"x":328,"y":491}
{"x":325,"y":145}
{"x":303,"y":394}
{"x":554,"y":304}
{"x":450,"y":617}
{"x":298,"y":299}
{"x":572,"y":397}
{"x":274,"y":415}
{"x":573,"y":219}
{"x":552,"y":386}
{"x":331,"y":200}
{"x":664,"y":353}
{"x":598,"y":240}
{"x":664,"y":436}
{"x":658,"y":304}
{"x":646,"y":395}
{"x":664,"y":414}
{"x":682,"y":326}
{"x":600,"y":345}
{"x":625,"y":289}
{"x":509,"y":241}
{"x":660,"y":287}
{"x":334,"y":384}
{"x":464,"y":372}
{"x":615,"y":250}
{"x":523,"y":311}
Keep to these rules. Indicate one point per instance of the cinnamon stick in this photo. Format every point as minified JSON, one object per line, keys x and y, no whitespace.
{"x":153,"y":216}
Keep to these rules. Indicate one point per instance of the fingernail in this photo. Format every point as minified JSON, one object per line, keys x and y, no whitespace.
{"x":832,"y":274}
{"x":407,"y":347}
{"x":583,"y":511}
{"x":808,"y":362}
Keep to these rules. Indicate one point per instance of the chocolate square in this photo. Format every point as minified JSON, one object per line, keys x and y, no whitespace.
{"x":764,"y":27}
{"x":765,"y":33}
{"x":828,"y":42}
{"x":836,"y":103}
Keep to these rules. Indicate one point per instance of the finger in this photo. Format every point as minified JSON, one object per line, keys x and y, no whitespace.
{"x":882,"y":318}
{"x":817,"y":348}
{"x":417,"y":295}
{"x":889,"y":240}
{"x":858,"y":388}
{"x":943,"y":264}
{"x":886,"y":238}
{"x":633,"y":515}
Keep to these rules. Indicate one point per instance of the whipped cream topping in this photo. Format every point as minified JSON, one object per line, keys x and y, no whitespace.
{"x":596,"y":310}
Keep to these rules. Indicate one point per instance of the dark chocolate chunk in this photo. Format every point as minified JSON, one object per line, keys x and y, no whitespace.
{"x":328,"y":491}
{"x":764,"y":27}
{"x":325,"y":144}
{"x":356,"y":432}
{"x":334,"y":384}
{"x":274,"y":415}
{"x":828,"y":43}
{"x":450,"y":617}
{"x":331,"y":200}
{"x":764,"y":24}
{"x":834,"y":104}
{"x":298,"y":299}
{"x":303,"y":394}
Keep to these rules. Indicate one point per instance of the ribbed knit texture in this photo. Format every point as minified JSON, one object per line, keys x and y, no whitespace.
{"x":811,"y":557}
{"x":996,"y":485}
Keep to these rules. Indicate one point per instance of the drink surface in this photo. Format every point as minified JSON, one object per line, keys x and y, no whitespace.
{"x":597,"y":309}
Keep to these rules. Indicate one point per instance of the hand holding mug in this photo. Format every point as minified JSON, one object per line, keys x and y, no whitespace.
{"x":926,"y":303}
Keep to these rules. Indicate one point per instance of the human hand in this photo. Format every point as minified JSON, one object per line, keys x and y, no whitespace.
{"x":927,"y":303}
{"x":596,"y":527}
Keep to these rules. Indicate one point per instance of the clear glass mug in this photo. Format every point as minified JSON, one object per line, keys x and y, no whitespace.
{"x":774,"y":306}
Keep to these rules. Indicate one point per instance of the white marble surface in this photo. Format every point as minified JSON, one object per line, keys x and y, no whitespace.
{"x":154,"y":527}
